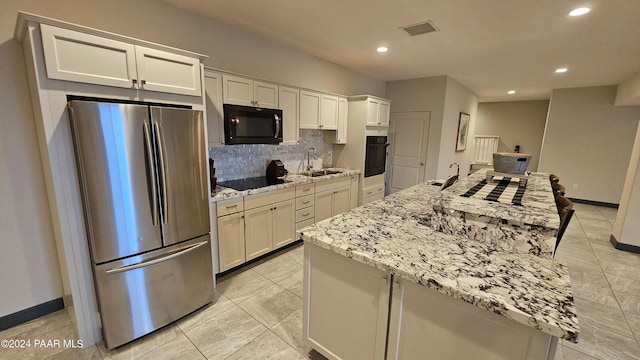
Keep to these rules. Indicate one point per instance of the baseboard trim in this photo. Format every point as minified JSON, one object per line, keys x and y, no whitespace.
{"x":622,"y":246}
{"x":596,"y":203}
{"x":31,"y":313}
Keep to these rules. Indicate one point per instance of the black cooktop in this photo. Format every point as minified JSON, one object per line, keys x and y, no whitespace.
{"x":251,"y":183}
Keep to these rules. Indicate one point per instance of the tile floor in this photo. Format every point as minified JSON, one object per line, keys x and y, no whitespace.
{"x":258,"y":309}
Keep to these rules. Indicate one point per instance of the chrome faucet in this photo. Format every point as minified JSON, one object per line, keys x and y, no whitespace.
{"x":314,"y":157}
{"x":458,"y":168}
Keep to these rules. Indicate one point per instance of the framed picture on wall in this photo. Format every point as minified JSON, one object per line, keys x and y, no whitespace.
{"x":463,"y":130}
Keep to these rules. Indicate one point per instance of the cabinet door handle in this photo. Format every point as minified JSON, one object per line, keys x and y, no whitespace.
{"x":135,"y":82}
{"x":143,"y":82}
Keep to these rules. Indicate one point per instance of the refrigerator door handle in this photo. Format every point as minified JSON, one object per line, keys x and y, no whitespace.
{"x":156,"y":260}
{"x":150,"y":169}
{"x":163,"y":175}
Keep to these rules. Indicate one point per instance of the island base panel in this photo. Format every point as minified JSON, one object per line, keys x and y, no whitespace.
{"x":346,"y":306}
{"x":422,"y":319}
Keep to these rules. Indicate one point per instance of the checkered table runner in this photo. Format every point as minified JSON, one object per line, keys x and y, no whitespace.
{"x":502,"y":191}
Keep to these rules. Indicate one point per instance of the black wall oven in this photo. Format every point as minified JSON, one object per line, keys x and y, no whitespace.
{"x":375,"y":156}
{"x":250,"y":125}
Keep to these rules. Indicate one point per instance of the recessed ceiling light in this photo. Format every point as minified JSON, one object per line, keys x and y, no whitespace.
{"x":561,"y":70}
{"x":579,"y":11}
{"x":382,"y":49}
{"x":511,"y":92}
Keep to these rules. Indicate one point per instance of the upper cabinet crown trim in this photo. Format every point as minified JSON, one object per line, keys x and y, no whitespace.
{"x":364,"y":97}
{"x":24,"y":18}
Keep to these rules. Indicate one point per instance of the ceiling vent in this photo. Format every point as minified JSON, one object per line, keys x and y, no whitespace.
{"x":419,"y":29}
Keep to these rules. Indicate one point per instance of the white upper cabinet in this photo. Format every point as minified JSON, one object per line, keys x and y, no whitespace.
{"x":377,"y":112}
{"x":328,"y":112}
{"x":75,"y":56}
{"x":213,"y":103}
{"x":166,"y":72}
{"x":265,"y":95}
{"x":343,"y":111}
{"x":239,"y":90}
{"x":289,"y":99}
{"x":319,"y":111}
{"x":309,"y":109}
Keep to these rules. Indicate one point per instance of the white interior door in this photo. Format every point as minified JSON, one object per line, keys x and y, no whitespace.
{"x":408,"y":153}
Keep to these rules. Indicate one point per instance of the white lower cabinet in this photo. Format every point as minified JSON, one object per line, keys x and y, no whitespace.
{"x":258,"y":231}
{"x":269,"y":227}
{"x":305,"y":205}
{"x":324,"y":205}
{"x":355,"y":311}
{"x":332,"y":202}
{"x":269,"y":221}
{"x":345,"y":306}
{"x":283,"y":223}
{"x":372,"y":193}
{"x":332,"y":198}
{"x":255,"y":225}
{"x":231,"y":240}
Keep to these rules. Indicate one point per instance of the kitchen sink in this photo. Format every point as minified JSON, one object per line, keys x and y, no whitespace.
{"x":321,"y":173}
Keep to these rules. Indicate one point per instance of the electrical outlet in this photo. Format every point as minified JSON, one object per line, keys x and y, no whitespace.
{"x":575,"y":186}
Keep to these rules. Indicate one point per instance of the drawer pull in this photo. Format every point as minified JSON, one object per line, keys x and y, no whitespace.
{"x":306,"y":189}
{"x":306,"y":202}
{"x":232,"y":206}
{"x":306,"y":214}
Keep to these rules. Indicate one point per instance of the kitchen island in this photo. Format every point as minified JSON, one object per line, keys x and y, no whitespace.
{"x":422,"y":275}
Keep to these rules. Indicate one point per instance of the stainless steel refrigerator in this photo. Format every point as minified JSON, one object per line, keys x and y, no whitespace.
{"x":143,"y":178}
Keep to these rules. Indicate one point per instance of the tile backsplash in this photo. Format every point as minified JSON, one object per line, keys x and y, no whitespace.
{"x":245,"y":161}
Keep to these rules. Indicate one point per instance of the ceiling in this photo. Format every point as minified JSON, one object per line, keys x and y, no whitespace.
{"x":490,"y":46}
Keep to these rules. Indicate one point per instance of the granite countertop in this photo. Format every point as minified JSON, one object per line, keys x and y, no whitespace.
{"x":538,"y":204}
{"x":492,"y":264}
{"x":223,"y":193}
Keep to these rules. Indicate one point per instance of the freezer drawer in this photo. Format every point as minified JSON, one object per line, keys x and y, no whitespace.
{"x":141,"y":294}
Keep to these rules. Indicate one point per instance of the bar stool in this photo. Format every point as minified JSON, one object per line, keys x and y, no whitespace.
{"x":565,"y":211}
{"x":554,"y":178}
{"x":558,"y":189}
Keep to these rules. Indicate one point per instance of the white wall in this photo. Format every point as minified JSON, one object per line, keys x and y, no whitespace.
{"x":517,"y":123}
{"x":29,"y":271}
{"x":627,"y":227}
{"x":629,"y":91}
{"x":445,"y":98}
{"x":425,"y":94}
{"x":588,"y":142}
{"x":458,"y":99}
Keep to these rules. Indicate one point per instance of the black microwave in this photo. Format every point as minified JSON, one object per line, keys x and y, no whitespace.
{"x":251,"y":125}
